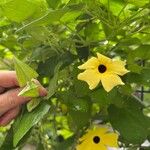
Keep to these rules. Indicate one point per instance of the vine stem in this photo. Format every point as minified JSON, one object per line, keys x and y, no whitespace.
{"x":32,"y":22}
{"x":76,"y":140}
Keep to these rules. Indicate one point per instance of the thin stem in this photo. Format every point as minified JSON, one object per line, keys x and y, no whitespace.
{"x":142,"y":88}
{"x":73,"y":31}
{"x":32,"y":22}
{"x":122,"y":10}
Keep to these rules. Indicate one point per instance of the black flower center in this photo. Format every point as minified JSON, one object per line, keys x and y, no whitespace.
{"x":96,"y":139}
{"x":102,"y":68}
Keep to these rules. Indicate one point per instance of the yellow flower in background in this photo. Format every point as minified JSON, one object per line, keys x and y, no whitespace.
{"x":99,"y":138}
{"x":103,"y":69}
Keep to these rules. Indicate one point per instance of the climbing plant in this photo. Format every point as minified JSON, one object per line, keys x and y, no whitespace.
{"x":93,"y":57}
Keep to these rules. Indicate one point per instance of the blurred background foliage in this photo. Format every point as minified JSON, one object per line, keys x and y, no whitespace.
{"x":47,"y":33}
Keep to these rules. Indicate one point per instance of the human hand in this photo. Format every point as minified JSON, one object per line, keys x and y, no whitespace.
{"x":10,"y":102}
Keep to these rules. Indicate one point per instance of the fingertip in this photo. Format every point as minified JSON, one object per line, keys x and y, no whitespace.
{"x":43,"y":91}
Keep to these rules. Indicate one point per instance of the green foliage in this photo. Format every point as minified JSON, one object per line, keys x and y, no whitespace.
{"x":24,"y":9}
{"x":131,"y":124}
{"x":79,"y":109}
{"x":25,"y":122}
{"x":24,"y":73}
{"x":30,"y":90}
{"x":54,"y":38}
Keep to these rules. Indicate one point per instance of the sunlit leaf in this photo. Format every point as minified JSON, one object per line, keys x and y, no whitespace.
{"x":24,"y":9}
{"x":26,"y":121}
{"x":30,"y":90}
{"x":24,"y":72}
{"x":33,"y":103}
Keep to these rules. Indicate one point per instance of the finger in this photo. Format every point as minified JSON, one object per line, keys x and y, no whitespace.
{"x":8,"y":79}
{"x":10,"y":99}
{"x":42,"y":91}
{"x":9,"y":116}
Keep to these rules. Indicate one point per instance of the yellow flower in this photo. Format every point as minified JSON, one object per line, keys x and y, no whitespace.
{"x":103,"y":69}
{"x":99,"y":138}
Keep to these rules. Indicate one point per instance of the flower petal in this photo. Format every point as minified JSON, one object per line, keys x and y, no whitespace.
{"x":86,"y":136}
{"x":83,"y":146}
{"x":100,"y":147}
{"x":91,"y":76}
{"x":98,"y":131}
{"x":110,"y":139}
{"x":118,"y":67}
{"x":101,"y":130}
{"x":90,"y":64}
{"x":103,"y":59}
{"x":88,"y":145}
{"x":109,"y":81}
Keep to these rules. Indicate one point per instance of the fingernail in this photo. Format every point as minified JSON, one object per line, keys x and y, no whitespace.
{"x":43,"y":91}
{"x":1,"y":122}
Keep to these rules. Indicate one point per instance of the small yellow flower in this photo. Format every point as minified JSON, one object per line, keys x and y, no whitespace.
{"x":103,"y":69}
{"x":99,"y":138}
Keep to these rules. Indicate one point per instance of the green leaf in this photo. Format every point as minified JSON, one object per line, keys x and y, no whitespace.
{"x":8,"y":142}
{"x":140,"y":79}
{"x":4,"y":1}
{"x":79,"y":112}
{"x":82,"y":51}
{"x":114,"y":6}
{"x":104,"y":98}
{"x":18,"y":10}
{"x":81,"y":88}
{"x":91,"y":32}
{"x":24,"y":72}
{"x":130,"y":122}
{"x":26,"y":121}
{"x":30,"y":90}
{"x":4,"y":22}
{"x":116,"y":97}
{"x":53,"y":4}
{"x":126,"y":89}
{"x":100,"y":96}
{"x":53,"y":82}
{"x":32,"y":104}
{"x":137,"y":2}
{"x":129,"y":41}
{"x":134,"y":68}
{"x":142,"y":52}
{"x":43,"y":53}
{"x":70,"y":16}
{"x":65,"y":144}
{"x":54,"y":17}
